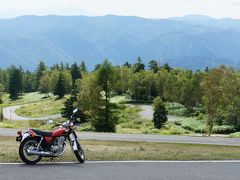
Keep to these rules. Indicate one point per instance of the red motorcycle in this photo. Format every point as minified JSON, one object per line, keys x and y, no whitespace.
{"x":36,"y":144}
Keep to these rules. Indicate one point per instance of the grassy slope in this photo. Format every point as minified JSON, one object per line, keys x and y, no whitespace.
{"x":123,"y":150}
{"x":46,"y":107}
{"x":24,"y":99}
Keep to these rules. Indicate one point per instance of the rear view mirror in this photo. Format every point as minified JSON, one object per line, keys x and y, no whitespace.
{"x":75,"y":111}
{"x":50,"y":122}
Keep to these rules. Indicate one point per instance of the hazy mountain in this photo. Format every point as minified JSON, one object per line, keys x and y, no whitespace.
{"x":191,"y":41}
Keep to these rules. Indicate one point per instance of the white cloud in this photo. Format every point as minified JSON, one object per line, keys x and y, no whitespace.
{"x":144,"y":8}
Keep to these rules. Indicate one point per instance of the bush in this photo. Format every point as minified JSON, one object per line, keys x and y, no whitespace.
{"x":192,"y":124}
{"x":160,"y":113}
{"x":234,"y":135}
{"x":225,"y":129}
{"x":176,"y":109}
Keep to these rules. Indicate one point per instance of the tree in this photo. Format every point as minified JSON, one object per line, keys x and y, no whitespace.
{"x":61,"y":82}
{"x":153,"y":66}
{"x":127,"y":64}
{"x":89,"y":99}
{"x":220,"y":88}
{"x":69,"y":105}
{"x":106,"y":80}
{"x":138,"y":66}
{"x":45,"y":84}
{"x":75,"y":73}
{"x":83,"y":67}
{"x":123,"y":76}
{"x":1,"y":93}
{"x":167,"y":67}
{"x":41,"y":67}
{"x":60,"y":89}
{"x":142,"y":86}
{"x":15,"y":82}
{"x":63,"y":85}
{"x":28,"y":82}
{"x":160,"y":113}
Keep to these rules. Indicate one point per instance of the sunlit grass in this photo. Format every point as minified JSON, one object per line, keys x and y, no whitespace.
{"x":47,"y":107}
{"x":124,"y":150}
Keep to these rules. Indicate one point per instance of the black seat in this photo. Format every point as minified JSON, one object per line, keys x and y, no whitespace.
{"x":42,"y":133}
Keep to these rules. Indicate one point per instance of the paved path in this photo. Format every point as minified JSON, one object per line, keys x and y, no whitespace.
{"x":147,"y":113}
{"x":10,"y":114}
{"x":145,"y":138}
{"x":142,"y":170}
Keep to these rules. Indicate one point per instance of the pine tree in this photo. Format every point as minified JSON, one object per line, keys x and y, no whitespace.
{"x":75,"y":72}
{"x":83,"y":67}
{"x":69,"y":106}
{"x":106,"y":79}
{"x":138,"y":66}
{"x":60,"y":89}
{"x":15,"y":82}
{"x":153,"y":66}
{"x":41,"y":67}
{"x":160,"y":113}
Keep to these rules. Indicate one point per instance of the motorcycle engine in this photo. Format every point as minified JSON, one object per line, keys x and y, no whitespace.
{"x":58,"y":145}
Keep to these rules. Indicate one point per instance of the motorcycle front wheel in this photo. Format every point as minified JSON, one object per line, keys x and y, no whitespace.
{"x":29,"y":143}
{"x":79,"y":153}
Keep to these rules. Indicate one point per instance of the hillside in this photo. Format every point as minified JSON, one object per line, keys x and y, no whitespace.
{"x":191,"y":42}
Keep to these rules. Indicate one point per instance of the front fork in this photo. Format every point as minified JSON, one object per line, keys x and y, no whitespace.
{"x":73,"y":141}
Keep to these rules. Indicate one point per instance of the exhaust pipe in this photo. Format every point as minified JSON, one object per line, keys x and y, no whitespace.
{"x":41,"y":153}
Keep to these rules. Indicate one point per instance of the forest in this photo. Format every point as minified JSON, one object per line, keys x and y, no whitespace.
{"x":212,"y":95}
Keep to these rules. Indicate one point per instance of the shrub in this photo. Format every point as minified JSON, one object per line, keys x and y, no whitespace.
{"x":234,"y":135}
{"x":225,"y":129}
{"x":194,"y":125}
{"x":160,"y":113}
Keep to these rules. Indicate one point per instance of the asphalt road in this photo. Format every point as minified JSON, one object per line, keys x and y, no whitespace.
{"x":145,"y":138}
{"x":124,"y":171}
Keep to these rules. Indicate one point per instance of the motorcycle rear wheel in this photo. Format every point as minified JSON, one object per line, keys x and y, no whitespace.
{"x":25,"y":157}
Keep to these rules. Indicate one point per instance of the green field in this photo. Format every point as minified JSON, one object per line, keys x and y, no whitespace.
{"x":50,"y":106}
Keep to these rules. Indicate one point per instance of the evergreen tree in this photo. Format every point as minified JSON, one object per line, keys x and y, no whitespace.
{"x":75,"y":72}
{"x":83,"y":67}
{"x":41,"y":67}
{"x":127,"y":64}
{"x":28,"y":82}
{"x":153,"y":66}
{"x":160,"y":113}
{"x":15,"y":83}
{"x":167,"y":67}
{"x":138,"y":66}
{"x":106,"y":79}
{"x":69,"y":106}
{"x":60,"y":89}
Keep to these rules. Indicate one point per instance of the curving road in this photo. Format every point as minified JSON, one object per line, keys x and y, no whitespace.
{"x":139,"y":170}
{"x":145,"y":138}
{"x":10,"y":114}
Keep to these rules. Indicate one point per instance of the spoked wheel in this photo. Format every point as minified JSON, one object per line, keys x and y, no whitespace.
{"x":79,"y":153}
{"x":29,"y":144}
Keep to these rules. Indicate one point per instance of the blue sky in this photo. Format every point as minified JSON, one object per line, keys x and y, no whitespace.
{"x":143,"y":8}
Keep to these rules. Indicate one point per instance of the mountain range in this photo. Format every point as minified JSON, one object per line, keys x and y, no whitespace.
{"x":192,"y":41}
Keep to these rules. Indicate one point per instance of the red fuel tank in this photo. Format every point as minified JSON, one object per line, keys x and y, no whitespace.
{"x":58,"y":132}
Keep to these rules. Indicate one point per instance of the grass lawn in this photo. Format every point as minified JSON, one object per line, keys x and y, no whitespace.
{"x":24,"y":99}
{"x":124,"y":150}
{"x":49,"y":106}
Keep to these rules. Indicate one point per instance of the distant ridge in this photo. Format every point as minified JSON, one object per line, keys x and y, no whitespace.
{"x":192,"y":41}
